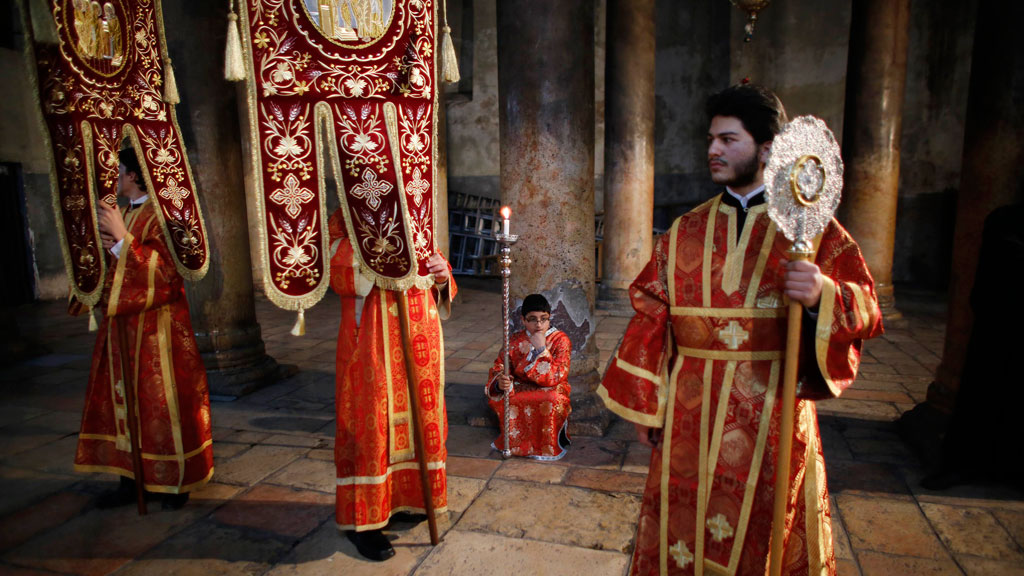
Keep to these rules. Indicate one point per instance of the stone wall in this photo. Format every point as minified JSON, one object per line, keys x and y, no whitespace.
{"x":21,"y":142}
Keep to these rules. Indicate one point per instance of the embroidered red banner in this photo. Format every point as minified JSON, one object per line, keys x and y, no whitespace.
{"x":100,"y":77}
{"x":359,"y":74}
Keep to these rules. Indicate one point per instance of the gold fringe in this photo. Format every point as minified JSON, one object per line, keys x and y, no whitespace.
{"x":234,"y":68}
{"x":300,"y":324}
{"x":449,"y":65}
{"x":43,"y":26}
{"x":170,"y":85}
{"x":93,"y":323}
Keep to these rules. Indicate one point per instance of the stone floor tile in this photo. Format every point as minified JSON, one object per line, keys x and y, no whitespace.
{"x":327,"y":552}
{"x":462,"y":492}
{"x":531,"y":471}
{"x":465,"y":552}
{"x":595,"y":453}
{"x":213,"y":494}
{"x":557,"y":514}
{"x":321,"y":454}
{"x":224,"y":451}
{"x":972,"y":531}
{"x":477,"y":367}
{"x":881,"y":411}
{"x":207,"y":548}
{"x":455,"y":363}
{"x":880,"y":450}
{"x":891,"y":526}
{"x":478,"y":345}
{"x":14,"y":441}
{"x":846,"y":567}
{"x":858,"y":477}
{"x":20,"y":488}
{"x":840,"y":539}
{"x":606,"y":480}
{"x":101,"y":541}
{"x":974,"y":566}
{"x":470,"y":441}
{"x":56,"y":457}
{"x":277,"y":509}
{"x":307,"y":474}
{"x":878,"y":395}
{"x":256,"y":464}
{"x":293,"y":440}
{"x":471,"y":467}
{"x":242,"y":437}
{"x":467,"y":354}
{"x":19,"y":527}
{"x":876,"y":564}
{"x":14,"y":414}
{"x":1013,"y":522}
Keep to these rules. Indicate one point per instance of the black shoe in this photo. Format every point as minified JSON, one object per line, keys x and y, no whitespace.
{"x":408,"y":517}
{"x":371,"y":544}
{"x":122,"y":496}
{"x":174,"y":501}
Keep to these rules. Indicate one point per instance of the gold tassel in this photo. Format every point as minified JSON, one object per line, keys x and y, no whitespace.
{"x":449,"y":66}
{"x":43,"y":26}
{"x":93,"y":324}
{"x":234,"y":68}
{"x":300,"y":324}
{"x":170,"y":85}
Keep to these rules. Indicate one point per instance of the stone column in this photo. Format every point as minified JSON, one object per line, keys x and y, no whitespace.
{"x":628,"y":148}
{"x":222,"y":304}
{"x":546,"y":118}
{"x":875,"y":78}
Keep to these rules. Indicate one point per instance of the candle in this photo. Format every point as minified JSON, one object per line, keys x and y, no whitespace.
{"x":505,"y":213}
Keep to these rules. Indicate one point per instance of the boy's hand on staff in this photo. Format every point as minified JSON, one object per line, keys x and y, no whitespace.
{"x":505,"y":384}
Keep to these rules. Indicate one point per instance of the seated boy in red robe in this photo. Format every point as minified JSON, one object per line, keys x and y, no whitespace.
{"x":538,"y":386}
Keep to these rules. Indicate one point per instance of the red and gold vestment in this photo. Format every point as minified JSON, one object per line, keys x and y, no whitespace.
{"x":374,"y":446}
{"x":702,"y":360}
{"x":147,"y":293}
{"x":539,"y":406}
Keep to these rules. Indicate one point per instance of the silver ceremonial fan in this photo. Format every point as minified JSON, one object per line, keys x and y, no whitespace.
{"x":803,"y":180}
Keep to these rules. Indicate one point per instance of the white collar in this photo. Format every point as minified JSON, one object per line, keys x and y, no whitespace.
{"x":133,"y":204}
{"x":744,"y":199}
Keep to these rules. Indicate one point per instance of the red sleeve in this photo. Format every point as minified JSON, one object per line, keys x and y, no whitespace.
{"x":636,"y":383}
{"x":145,"y":276}
{"x":848,"y":312}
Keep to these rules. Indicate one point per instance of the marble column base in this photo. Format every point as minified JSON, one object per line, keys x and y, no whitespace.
{"x":237,"y":363}
{"x":589,"y":416}
{"x":614,"y":301}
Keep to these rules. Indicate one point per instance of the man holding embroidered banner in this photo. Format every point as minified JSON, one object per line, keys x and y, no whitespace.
{"x":699,"y":368}
{"x":145,"y":291}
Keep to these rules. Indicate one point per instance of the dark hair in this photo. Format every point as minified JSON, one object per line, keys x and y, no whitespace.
{"x":757,"y":107}
{"x":131,"y":164}
{"x":535,"y":303}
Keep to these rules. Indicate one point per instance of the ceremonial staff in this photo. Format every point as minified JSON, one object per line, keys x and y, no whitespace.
{"x":128,"y":393}
{"x":506,"y":240}
{"x":803,"y":181}
{"x":417,"y":419}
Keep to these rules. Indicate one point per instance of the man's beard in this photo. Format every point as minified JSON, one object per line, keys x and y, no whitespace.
{"x":744,"y":173}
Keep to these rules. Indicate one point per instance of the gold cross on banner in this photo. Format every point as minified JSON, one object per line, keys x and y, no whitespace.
{"x":733,"y":335}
